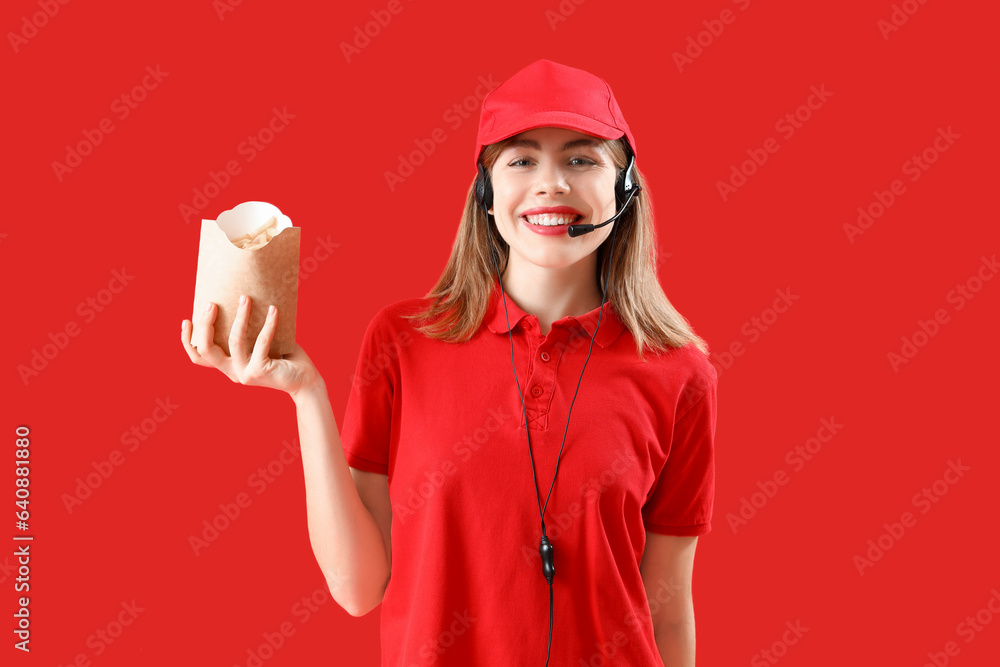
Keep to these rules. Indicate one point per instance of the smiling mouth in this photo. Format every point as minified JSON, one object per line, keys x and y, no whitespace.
{"x":551,"y":219}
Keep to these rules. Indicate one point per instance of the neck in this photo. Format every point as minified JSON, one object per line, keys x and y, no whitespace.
{"x":552,"y":294}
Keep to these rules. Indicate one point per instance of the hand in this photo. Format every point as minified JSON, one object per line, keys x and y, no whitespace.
{"x":294,"y":373}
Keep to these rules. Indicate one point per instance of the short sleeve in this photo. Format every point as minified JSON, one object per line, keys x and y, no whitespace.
{"x":367,"y":428}
{"x":681,"y":502}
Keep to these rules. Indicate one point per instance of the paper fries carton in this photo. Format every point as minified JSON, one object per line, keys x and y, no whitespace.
{"x":251,"y":249}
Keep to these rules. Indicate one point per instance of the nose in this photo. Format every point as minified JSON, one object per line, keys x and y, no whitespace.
{"x":550,"y":179}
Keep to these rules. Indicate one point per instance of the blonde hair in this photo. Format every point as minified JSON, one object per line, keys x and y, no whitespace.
{"x":462,"y":293}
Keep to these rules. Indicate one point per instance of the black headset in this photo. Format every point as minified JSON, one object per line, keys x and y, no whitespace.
{"x":626,"y":187}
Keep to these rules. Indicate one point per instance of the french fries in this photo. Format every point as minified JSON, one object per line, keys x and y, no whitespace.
{"x":259,"y":236}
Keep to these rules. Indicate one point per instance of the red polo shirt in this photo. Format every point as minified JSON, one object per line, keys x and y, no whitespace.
{"x":444,"y":422}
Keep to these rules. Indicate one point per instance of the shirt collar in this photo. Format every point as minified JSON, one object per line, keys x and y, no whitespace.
{"x":609,"y":330}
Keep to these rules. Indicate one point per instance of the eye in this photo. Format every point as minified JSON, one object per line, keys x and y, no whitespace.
{"x":575,"y":161}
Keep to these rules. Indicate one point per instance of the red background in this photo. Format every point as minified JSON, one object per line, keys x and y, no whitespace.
{"x":722,"y":263}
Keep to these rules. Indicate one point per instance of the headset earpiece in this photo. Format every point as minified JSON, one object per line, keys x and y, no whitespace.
{"x":483,"y":189}
{"x":627,"y":181}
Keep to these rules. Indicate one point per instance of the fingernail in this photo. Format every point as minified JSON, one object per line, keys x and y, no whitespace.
{"x":243,"y":299}
{"x":208,"y":307}
{"x":270,"y":310}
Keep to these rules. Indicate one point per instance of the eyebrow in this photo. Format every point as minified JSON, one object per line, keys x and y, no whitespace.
{"x":531,"y":143}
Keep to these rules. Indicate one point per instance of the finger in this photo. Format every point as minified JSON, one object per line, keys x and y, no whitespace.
{"x":264,"y":338}
{"x":204,"y":340}
{"x":238,"y":332}
{"x":192,"y":352}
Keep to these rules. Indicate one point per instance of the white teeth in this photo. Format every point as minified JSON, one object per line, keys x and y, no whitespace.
{"x":550,"y":219}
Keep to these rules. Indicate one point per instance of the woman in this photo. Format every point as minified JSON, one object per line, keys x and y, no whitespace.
{"x":517,"y":537}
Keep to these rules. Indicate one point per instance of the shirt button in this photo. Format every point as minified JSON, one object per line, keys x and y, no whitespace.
{"x":545,"y":356}
{"x":536,"y":391}
{"x":525,"y":324}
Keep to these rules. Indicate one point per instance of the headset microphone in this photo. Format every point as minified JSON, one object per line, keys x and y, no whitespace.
{"x":580,"y":230}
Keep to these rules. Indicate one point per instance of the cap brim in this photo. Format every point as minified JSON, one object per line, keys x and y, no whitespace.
{"x":569,"y":121}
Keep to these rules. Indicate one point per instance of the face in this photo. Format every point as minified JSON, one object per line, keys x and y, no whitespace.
{"x":545,"y":168}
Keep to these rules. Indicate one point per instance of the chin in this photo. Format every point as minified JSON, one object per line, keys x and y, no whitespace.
{"x":553,"y":260}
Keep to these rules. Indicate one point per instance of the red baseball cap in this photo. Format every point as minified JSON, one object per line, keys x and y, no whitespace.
{"x":545,"y":94}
